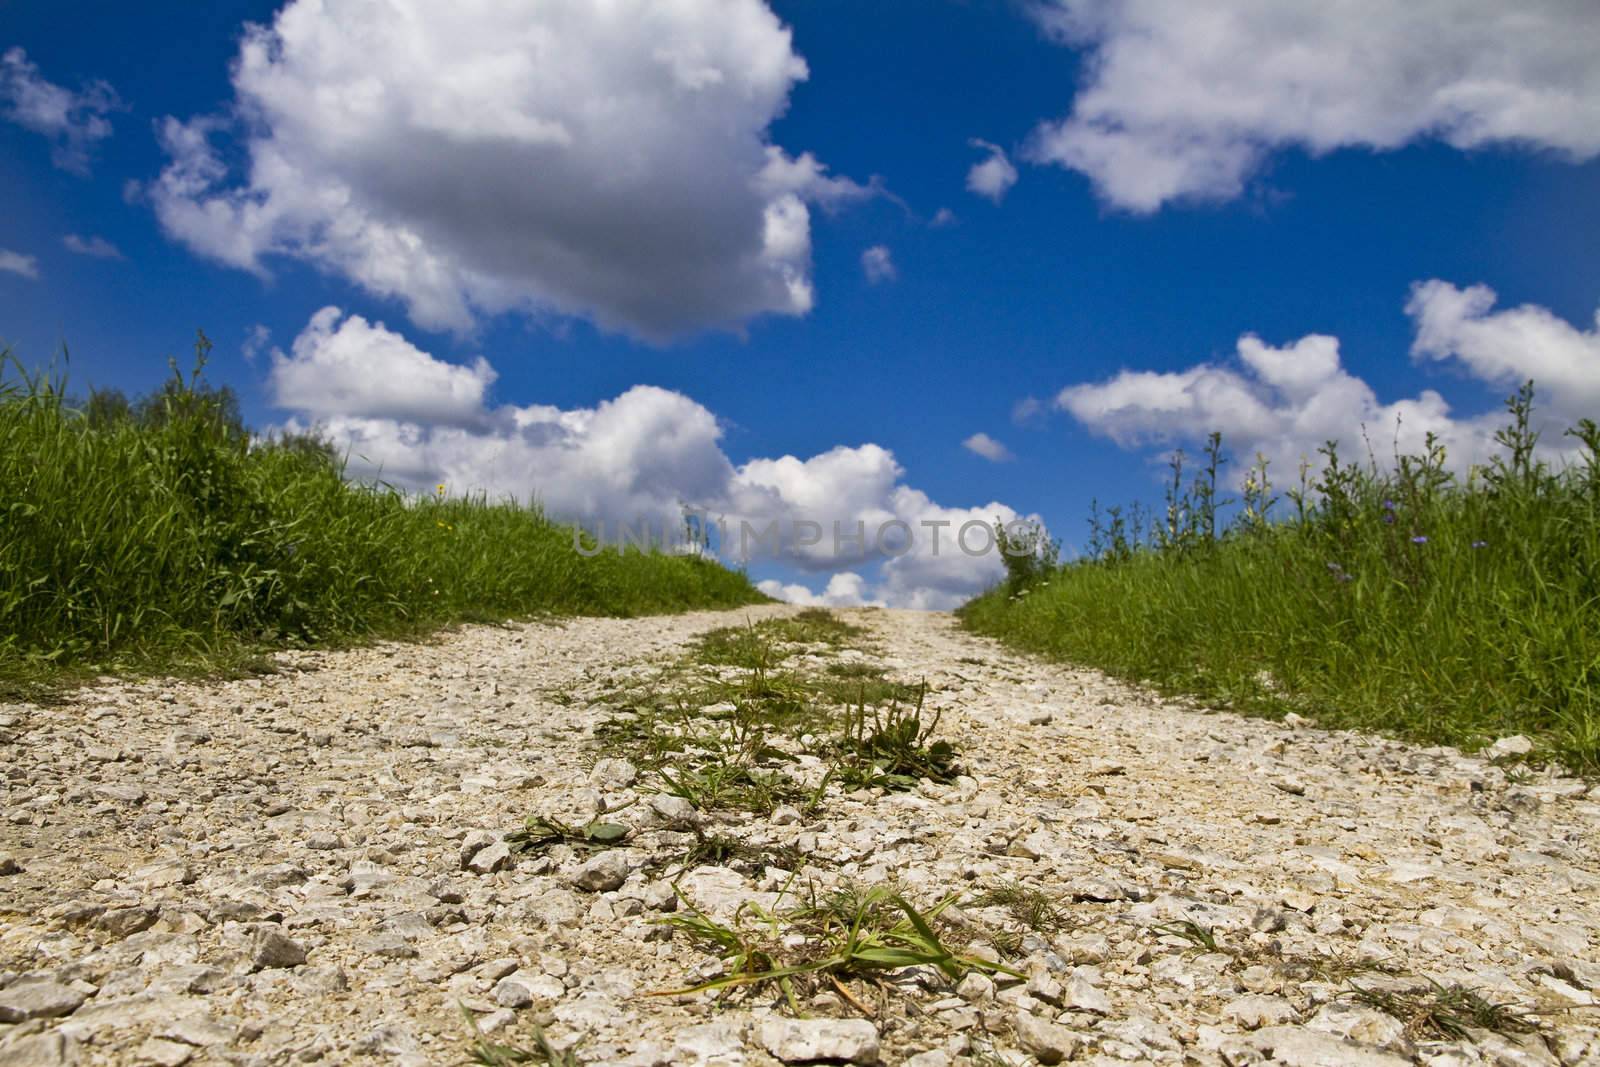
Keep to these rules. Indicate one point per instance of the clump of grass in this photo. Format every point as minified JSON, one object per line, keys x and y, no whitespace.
{"x":763,"y":645}
{"x":894,"y":747}
{"x":541,"y":832}
{"x":164,"y":535}
{"x":1399,"y":597}
{"x":718,"y":784}
{"x":720,"y":850}
{"x":488,"y":1053}
{"x":1031,"y":908}
{"x":853,"y":932}
{"x":1341,"y":967}
{"x":1202,"y":938}
{"x":1450,"y":1012}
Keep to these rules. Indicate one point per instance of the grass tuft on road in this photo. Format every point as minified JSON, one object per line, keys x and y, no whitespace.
{"x":163,"y":536}
{"x":1395,"y":598}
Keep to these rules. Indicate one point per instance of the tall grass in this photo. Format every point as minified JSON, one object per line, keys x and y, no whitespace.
{"x":163,"y":534}
{"x":1401,"y":599}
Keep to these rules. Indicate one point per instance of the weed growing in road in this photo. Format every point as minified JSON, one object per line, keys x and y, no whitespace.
{"x":764,"y":644}
{"x":853,"y":932}
{"x":488,"y":1053}
{"x":725,"y":728}
{"x":894,"y":747}
{"x":1033,"y":909}
{"x":1188,"y":930}
{"x":720,"y":850}
{"x":541,"y":832}
{"x":1451,"y":1012}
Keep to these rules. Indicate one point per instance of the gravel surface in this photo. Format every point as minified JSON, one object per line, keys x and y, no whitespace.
{"x":307,"y":867}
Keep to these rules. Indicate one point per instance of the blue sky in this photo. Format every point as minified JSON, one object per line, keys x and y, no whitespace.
{"x":1182,"y":178}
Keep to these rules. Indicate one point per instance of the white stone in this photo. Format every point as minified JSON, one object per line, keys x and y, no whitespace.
{"x":809,"y":1040}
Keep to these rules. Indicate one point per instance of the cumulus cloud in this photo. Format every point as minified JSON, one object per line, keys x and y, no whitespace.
{"x":1186,"y":100}
{"x":410,"y":419}
{"x":993,"y":175}
{"x":982,"y":444}
{"x":846,"y":589}
{"x":17,"y":263}
{"x":73,"y":121}
{"x":878,"y":265}
{"x":348,"y":366}
{"x":609,"y":161}
{"x":95,"y":247}
{"x":1506,"y":348}
{"x":1285,"y":402}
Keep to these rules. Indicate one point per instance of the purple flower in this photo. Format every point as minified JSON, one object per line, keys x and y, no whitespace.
{"x":1388,"y":518}
{"x":1420,"y":539}
{"x":1388,"y":505}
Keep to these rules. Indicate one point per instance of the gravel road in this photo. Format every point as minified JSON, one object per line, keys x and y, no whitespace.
{"x":306,"y":867}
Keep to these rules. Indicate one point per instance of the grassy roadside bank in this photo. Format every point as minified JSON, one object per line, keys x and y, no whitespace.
{"x":1435,"y":608}
{"x":163,"y":536}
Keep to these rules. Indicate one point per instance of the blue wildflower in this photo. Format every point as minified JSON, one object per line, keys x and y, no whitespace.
{"x":1420,"y":539}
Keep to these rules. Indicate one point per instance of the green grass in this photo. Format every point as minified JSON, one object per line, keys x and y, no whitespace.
{"x":166,"y":537}
{"x":1400,"y":599}
{"x":765,"y":644}
{"x":487,"y":1053}
{"x":853,"y":932}
{"x":893,"y":746}
{"x":720,"y":727}
{"x":1450,"y":1013}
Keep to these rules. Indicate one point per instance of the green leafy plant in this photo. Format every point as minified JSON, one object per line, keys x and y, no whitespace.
{"x":852,"y":933}
{"x":894,"y":747}
{"x":542,"y":832}
{"x":1188,"y":930}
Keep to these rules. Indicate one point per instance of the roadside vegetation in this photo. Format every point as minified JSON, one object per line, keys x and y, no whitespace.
{"x":162,"y":535}
{"x":1395,"y":597}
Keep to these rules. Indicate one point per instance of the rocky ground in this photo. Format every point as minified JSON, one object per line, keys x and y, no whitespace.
{"x":308,"y":867}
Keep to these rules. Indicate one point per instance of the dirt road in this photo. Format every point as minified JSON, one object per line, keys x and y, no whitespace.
{"x":307,"y":868}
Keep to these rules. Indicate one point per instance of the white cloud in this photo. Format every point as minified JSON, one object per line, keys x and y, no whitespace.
{"x":983,"y":445}
{"x":351,"y":367}
{"x":255,"y":342}
{"x":412,"y":420}
{"x":73,"y":121}
{"x":844,"y":590}
{"x":992,"y":176}
{"x":609,"y":161}
{"x":1028,"y":410}
{"x":878,"y":265}
{"x":95,"y":247}
{"x":17,"y":263}
{"x":1506,"y":348}
{"x":1285,"y":402}
{"x":1186,"y":100}
{"x":942,"y":218}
